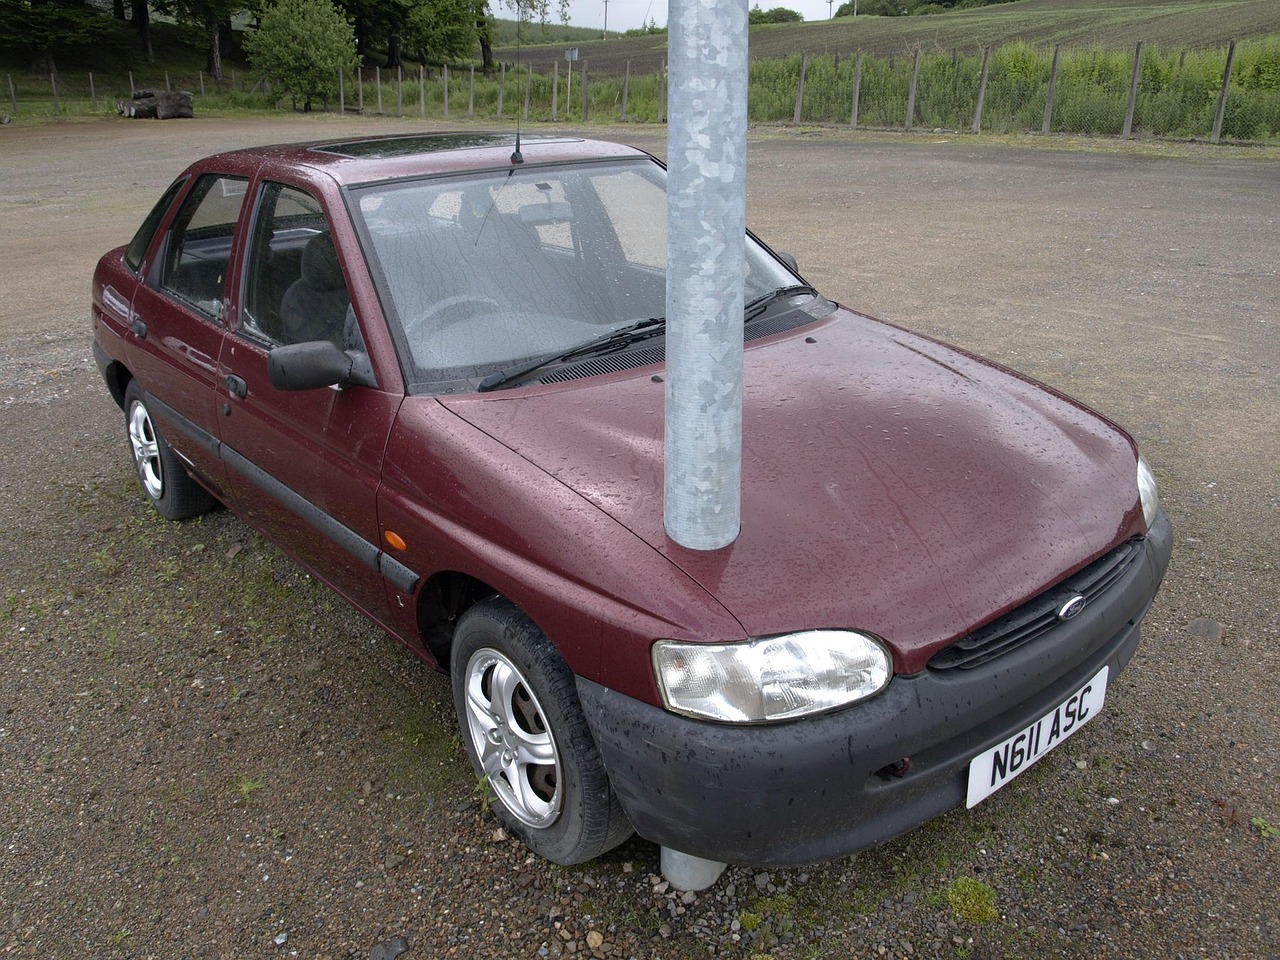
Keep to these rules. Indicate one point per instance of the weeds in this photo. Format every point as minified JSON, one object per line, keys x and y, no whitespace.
{"x":1265,"y":829}
{"x":973,"y":901}
{"x":248,"y":786}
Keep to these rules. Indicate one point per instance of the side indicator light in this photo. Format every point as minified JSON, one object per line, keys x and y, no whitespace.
{"x":395,"y":540}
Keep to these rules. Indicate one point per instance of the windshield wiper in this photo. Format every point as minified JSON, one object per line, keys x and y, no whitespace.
{"x":760,"y":304}
{"x":613,"y":340}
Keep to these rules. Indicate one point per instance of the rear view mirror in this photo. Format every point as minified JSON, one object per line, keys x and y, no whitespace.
{"x":789,"y":259}
{"x":557,"y":211}
{"x":311,"y":365}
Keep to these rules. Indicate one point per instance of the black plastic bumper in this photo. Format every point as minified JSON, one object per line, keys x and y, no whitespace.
{"x":812,"y":789}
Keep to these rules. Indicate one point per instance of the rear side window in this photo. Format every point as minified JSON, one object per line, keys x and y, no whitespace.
{"x":198,"y":253}
{"x":137,"y":248}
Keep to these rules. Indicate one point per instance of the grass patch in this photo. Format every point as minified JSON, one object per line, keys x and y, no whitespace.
{"x":973,"y":901}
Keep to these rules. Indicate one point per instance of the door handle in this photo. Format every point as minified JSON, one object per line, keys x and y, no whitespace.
{"x":237,"y":386}
{"x":139,"y":328}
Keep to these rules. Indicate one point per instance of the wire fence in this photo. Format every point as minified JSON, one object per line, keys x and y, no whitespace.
{"x":1231,"y":93}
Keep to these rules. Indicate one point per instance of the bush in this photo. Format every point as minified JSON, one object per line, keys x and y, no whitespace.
{"x":300,"y":45}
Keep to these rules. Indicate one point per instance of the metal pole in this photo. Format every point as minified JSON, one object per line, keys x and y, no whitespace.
{"x":982,"y":91}
{"x":555,"y":88}
{"x":446,"y":93}
{"x":53,"y":80}
{"x":804,"y":68}
{"x":201,"y":73}
{"x":706,"y":246}
{"x":360,"y":88}
{"x":400,"y":91}
{"x":911,"y":97}
{"x":422,"y":92}
{"x":1053,"y":89}
{"x":528,"y":88}
{"x":502,"y":87}
{"x":585,"y":97}
{"x":626,"y":83}
{"x":471,"y":95}
{"x":342,"y":92}
{"x":568,"y":93}
{"x":132,"y":88}
{"x":377,"y":77}
{"x":1133,"y":93}
{"x":857,"y":91}
{"x":13,"y":94}
{"x":93,"y":94}
{"x":167,"y":88}
{"x":1217,"y":117}
{"x":662,"y":93}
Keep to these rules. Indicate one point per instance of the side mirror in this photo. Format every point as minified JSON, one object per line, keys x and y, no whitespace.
{"x":309,"y":366}
{"x":789,"y":259}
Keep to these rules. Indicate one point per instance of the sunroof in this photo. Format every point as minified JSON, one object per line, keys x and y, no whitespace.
{"x":428,"y":143}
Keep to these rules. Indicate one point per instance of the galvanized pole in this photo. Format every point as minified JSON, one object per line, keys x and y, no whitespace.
{"x":706,"y":247}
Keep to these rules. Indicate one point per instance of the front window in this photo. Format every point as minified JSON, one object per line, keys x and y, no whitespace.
{"x":483,"y":273}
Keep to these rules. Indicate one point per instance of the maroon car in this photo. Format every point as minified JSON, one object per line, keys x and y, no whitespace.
{"x":433,"y":376}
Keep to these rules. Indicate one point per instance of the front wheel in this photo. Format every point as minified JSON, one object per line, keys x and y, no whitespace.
{"x":524,"y":731}
{"x":164,"y":479}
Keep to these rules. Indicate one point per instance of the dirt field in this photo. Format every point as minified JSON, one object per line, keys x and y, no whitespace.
{"x":205,"y":754}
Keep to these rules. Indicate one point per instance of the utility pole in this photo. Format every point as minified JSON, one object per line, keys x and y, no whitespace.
{"x":604,"y":35}
{"x":829,"y":3}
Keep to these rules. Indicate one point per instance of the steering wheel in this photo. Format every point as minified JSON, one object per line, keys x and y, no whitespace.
{"x":472,"y":300}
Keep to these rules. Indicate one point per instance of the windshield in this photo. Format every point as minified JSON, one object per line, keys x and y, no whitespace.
{"x":482,"y":273}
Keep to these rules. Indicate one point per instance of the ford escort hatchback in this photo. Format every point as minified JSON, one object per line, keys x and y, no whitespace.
{"x":433,"y":376}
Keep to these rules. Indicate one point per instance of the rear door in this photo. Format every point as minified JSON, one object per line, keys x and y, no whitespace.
{"x":176,"y":327}
{"x":304,"y":466}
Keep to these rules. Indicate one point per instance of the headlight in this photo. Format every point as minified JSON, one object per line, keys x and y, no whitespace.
{"x":772,"y":678}
{"x":1147,"y":492}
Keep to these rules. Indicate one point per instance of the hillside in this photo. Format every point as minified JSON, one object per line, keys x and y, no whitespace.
{"x":1105,"y":24}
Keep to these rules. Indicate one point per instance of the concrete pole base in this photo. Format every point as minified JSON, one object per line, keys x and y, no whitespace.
{"x":687,"y":872}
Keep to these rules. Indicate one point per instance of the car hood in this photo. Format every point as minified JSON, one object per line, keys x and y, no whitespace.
{"x":890,"y":483}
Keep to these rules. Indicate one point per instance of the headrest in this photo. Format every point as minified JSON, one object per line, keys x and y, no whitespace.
{"x":320,"y":267}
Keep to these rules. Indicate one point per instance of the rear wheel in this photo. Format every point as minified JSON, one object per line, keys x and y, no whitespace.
{"x":164,"y":479}
{"x":526,"y":736}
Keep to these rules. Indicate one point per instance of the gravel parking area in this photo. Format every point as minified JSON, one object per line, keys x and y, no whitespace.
{"x":204,"y":753}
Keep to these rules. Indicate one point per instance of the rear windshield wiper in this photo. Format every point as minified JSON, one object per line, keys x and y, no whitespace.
{"x":760,"y":304}
{"x":613,"y":340}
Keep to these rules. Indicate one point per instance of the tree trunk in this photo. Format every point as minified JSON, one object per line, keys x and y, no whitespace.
{"x":117,"y":9}
{"x":142,"y":23}
{"x":215,"y":49}
{"x":360,"y":38}
{"x":227,"y":42}
{"x":486,"y":55}
{"x":393,"y":49}
{"x":42,"y":65}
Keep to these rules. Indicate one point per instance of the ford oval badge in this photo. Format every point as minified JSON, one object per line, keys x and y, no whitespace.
{"x":1071,"y":608}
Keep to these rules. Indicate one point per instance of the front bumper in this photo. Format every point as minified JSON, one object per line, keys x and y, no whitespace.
{"x":812,"y":790}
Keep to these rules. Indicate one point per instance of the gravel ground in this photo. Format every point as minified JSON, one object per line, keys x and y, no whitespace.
{"x":204,"y":753}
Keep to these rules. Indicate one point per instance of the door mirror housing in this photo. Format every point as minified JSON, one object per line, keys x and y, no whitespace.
{"x":315,"y":364}
{"x":789,"y":259}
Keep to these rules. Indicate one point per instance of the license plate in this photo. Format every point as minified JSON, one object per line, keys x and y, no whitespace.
{"x":991,"y":770}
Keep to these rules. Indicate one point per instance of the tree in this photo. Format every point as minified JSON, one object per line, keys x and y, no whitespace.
{"x":208,"y":15}
{"x":300,"y":45}
{"x":441,"y":29}
{"x":41,"y":26}
{"x":776,"y":15}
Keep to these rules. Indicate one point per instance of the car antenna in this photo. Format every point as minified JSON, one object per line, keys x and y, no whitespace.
{"x":516,"y":156}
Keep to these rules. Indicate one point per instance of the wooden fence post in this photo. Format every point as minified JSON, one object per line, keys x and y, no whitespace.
{"x":93,"y":94}
{"x":982,"y":91}
{"x":201,"y":75}
{"x":471,"y":94}
{"x":1133,"y":93}
{"x":555,"y":89}
{"x":360,"y":88}
{"x":13,"y":94}
{"x":342,"y":93}
{"x":446,"y":90}
{"x":399,"y":91}
{"x":662,"y":92}
{"x":804,"y":68}
{"x":528,"y":88}
{"x":502,"y":87}
{"x":857,"y":91}
{"x":1221,"y":113}
{"x":53,"y":80}
{"x":422,"y":92}
{"x":131,"y":86}
{"x":168,"y":89}
{"x":911,"y":96}
{"x":626,"y":83}
{"x":585,"y":97}
{"x":1053,"y":89}
{"x":377,"y":79}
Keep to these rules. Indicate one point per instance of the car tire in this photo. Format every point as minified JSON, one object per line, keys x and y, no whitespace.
{"x":165,"y":481}
{"x":526,"y":736}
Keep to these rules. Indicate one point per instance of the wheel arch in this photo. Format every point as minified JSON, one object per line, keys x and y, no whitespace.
{"x":117,"y":377}
{"x":445,"y":596}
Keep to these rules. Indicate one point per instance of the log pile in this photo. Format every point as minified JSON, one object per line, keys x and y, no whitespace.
{"x":158,"y":104}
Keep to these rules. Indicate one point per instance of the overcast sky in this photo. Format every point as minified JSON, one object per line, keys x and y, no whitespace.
{"x":626,"y":14}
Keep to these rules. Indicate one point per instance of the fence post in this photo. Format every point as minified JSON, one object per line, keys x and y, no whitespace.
{"x":804,"y":68}
{"x":857,"y":91}
{"x":1133,"y":93}
{"x":342,"y":93}
{"x":662,"y":92}
{"x":911,"y":96}
{"x":471,"y":94}
{"x":502,"y":87}
{"x":167,"y":88}
{"x":360,"y":89}
{"x":1053,"y":89}
{"x":377,"y":79}
{"x":13,"y":94}
{"x":446,"y":91}
{"x":585,"y":99}
{"x":201,"y":74}
{"x":626,"y":83}
{"x":93,"y":94}
{"x":53,"y":80}
{"x":1222,"y":95}
{"x":233,"y":81}
{"x":131,"y":86}
{"x":555,"y":89}
{"x":528,"y":88}
{"x":399,"y":91}
{"x":422,"y":91}
{"x":982,"y":91}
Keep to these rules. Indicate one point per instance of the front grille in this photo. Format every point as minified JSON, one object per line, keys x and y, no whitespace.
{"x":1039,"y":616}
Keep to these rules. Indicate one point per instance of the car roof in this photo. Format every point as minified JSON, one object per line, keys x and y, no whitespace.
{"x":369,"y":159}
